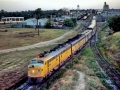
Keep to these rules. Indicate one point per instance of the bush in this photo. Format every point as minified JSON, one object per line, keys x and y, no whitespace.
{"x":114,"y":23}
{"x":68,"y":22}
{"x":76,"y":76}
{"x":64,"y":88}
{"x":74,"y":21}
{"x":76,"y":61}
{"x":69,"y":65}
{"x":49,"y":24}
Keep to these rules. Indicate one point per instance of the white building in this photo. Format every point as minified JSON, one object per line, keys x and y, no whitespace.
{"x":32,"y":22}
{"x":12,"y":19}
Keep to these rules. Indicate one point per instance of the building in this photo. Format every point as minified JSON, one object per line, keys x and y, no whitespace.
{"x":32,"y":22}
{"x":105,"y":7}
{"x":12,"y":19}
{"x":78,"y":7}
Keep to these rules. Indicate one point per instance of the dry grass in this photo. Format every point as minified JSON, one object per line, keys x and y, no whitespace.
{"x":68,"y":36}
{"x":65,"y":81}
{"x":13,"y":38}
{"x":110,"y":47}
{"x":20,"y":57}
{"x":15,"y":64}
{"x":93,"y":83}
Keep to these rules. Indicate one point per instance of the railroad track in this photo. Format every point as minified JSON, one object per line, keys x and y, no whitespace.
{"x":26,"y":86}
{"x":107,"y":68}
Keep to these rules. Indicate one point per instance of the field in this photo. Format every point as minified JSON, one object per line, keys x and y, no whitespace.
{"x":18,"y":37}
{"x":15,"y":63}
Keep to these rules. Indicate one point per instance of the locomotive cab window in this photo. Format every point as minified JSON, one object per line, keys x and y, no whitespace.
{"x":33,"y":61}
{"x":39,"y":61}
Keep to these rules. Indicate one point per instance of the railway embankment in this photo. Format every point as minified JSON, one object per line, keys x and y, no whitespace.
{"x":109,"y":46}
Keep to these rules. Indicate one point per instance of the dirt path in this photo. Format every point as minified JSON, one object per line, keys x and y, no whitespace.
{"x":40,"y":44}
{"x":81,"y":81}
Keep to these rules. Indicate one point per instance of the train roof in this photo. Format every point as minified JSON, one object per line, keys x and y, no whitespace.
{"x":94,"y":17}
{"x":86,"y":32}
{"x":85,"y":17}
{"x":55,"y":51}
{"x":92,"y":25}
{"x":60,"y":48}
{"x":78,"y":38}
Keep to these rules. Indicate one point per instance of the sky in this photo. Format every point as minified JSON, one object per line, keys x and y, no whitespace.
{"x":22,"y":5}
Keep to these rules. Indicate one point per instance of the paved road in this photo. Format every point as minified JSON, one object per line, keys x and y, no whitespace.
{"x":40,"y":44}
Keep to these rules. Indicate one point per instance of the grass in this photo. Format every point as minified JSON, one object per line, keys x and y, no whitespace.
{"x":13,"y":38}
{"x":109,"y":44}
{"x":64,"y":88}
{"x":20,"y":57}
{"x":79,"y":30}
{"x":65,"y":81}
{"x":87,"y":64}
{"x":67,"y":37}
{"x":15,"y":64}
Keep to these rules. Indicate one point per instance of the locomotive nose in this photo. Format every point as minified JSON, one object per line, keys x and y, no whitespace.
{"x":31,"y":66}
{"x":33,"y":71}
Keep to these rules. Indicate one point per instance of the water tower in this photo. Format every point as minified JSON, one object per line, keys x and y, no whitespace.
{"x":78,"y":7}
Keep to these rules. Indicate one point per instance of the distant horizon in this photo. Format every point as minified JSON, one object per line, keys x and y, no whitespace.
{"x":25,"y":5}
{"x":57,"y":9}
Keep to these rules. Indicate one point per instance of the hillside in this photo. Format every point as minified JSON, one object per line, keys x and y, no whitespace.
{"x":109,"y":45}
{"x":113,"y":42}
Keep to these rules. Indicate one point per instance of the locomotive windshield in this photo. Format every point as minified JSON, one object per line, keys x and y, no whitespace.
{"x":33,"y":61}
{"x":39,"y":61}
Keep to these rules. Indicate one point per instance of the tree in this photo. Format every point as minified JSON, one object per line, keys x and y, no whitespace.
{"x":60,"y":12}
{"x":63,"y":11}
{"x":74,"y":21}
{"x":114,"y":23}
{"x":2,"y":12}
{"x":37,"y":16}
{"x":49,"y":24}
{"x":68,"y":22}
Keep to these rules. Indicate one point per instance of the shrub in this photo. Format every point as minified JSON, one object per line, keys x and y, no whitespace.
{"x":68,"y":22}
{"x":114,"y":23}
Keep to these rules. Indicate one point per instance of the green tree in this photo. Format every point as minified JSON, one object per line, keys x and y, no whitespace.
{"x":114,"y":23}
{"x":74,"y":21}
{"x":49,"y":24}
{"x":2,"y":12}
{"x":60,"y":12}
{"x":68,"y":22}
{"x":37,"y":16}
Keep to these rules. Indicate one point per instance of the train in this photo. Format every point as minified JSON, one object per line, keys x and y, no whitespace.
{"x":83,"y":16}
{"x":44,"y":63}
{"x":86,"y":16}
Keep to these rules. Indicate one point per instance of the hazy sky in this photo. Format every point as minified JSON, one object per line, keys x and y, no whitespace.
{"x":22,"y":5}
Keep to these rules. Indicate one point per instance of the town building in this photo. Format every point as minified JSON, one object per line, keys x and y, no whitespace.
{"x":105,"y":7}
{"x":12,"y":19}
{"x":32,"y":22}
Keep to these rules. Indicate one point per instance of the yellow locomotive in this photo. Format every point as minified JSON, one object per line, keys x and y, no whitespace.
{"x":46,"y":62}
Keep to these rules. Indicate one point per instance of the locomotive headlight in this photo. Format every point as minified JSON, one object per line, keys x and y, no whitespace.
{"x":33,"y":71}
